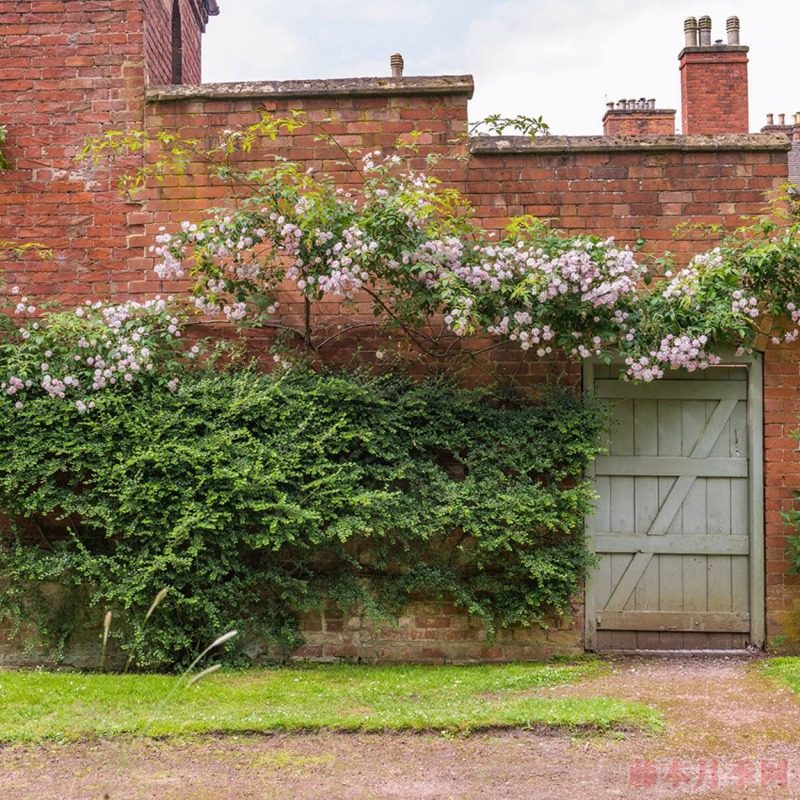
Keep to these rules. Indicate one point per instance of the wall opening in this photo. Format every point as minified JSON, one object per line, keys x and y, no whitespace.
{"x":177,"y":43}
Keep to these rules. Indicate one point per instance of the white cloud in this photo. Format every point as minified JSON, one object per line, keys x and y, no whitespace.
{"x":259,"y":50}
{"x":358,"y":12}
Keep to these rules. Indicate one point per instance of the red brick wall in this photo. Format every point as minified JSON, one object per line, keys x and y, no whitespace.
{"x":67,"y":70}
{"x":71,"y":70}
{"x":781,"y":481}
{"x":432,"y":632}
{"x":627,"y":188}
{"x":714,"y":89}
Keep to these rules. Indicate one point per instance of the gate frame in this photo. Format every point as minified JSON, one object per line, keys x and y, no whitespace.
{"x":757,"y":572}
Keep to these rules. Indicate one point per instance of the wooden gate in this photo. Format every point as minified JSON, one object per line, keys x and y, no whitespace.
{"x":678,"y":528}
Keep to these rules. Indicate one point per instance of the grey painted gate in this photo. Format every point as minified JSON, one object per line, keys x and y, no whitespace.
{"x":678,"y":528}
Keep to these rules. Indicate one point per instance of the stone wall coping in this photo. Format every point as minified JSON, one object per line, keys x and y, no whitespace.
{"x":334,"y":87}
{"x":654,"y":111}
{"x":541,"y":145}
{"x":714,"y":49}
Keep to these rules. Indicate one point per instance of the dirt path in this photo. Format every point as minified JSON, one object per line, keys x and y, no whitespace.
{"x":729,"y":735}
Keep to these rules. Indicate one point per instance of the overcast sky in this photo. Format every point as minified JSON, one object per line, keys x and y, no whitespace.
{"x":563,"y":59}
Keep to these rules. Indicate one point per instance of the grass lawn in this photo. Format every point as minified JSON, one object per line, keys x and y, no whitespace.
{"x":36,"y":706}
{"x":786,"y":670}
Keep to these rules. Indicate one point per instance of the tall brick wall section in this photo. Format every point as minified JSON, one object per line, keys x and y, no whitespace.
{"x":781,"y":481}
{"x":68,"y":70}
{"x":159,"y":41}
{"x":714,"y":89}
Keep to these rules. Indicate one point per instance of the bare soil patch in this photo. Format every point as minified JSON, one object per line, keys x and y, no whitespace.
{"x":729,"y":734}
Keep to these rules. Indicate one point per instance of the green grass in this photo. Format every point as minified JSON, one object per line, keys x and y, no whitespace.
{"x":37,"y":706}
{"x":786,"y":670}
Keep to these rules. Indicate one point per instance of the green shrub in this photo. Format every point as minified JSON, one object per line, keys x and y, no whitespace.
{"x":4,"y":162}
{"x":258,"y":497}
{"x":792,"y":518}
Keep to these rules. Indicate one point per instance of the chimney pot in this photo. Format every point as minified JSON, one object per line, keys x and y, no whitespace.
{"x":632,"y":104}
{"x":397,"y":65}
{"x":610,"y":106}
{"x":732,"y":26}
{"x":690,"y":31}
{"x":781,"y":119}
{"x":704,"y":25}
{"x":770,"y":119}
{"x":651,"y":103}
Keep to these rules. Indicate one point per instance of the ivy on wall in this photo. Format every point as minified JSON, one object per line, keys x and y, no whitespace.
{"x":256,"y":498}
{"x":4,"y":162}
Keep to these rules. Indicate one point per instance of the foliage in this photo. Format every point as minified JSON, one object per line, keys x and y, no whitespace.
{"x":256,"y":498}
{"x":792,"y":518}
{"x":398,"y":244}
{"x":747,"y":285}
{"x":497,"y":124}
{"x":73,"y":355}
{"x":4,"y":162}
{"x":38,"y":706}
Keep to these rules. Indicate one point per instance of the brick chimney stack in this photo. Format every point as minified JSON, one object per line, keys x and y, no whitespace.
{"x":713,"y":79}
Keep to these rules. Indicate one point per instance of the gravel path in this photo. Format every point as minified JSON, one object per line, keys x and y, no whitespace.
{"x":730,"y":734}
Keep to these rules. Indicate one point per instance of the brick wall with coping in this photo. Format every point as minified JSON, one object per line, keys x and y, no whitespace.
{"x":72,"y":69}
{"x":628,"y":187}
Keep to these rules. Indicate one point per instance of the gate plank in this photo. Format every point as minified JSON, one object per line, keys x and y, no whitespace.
{"x":672,"y":390}
{"x":674,"y":544}
{"x":698,"y":621}
{"x":659,"y":466}
{"x":645,"y":594}
{"x":627,"y":583}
